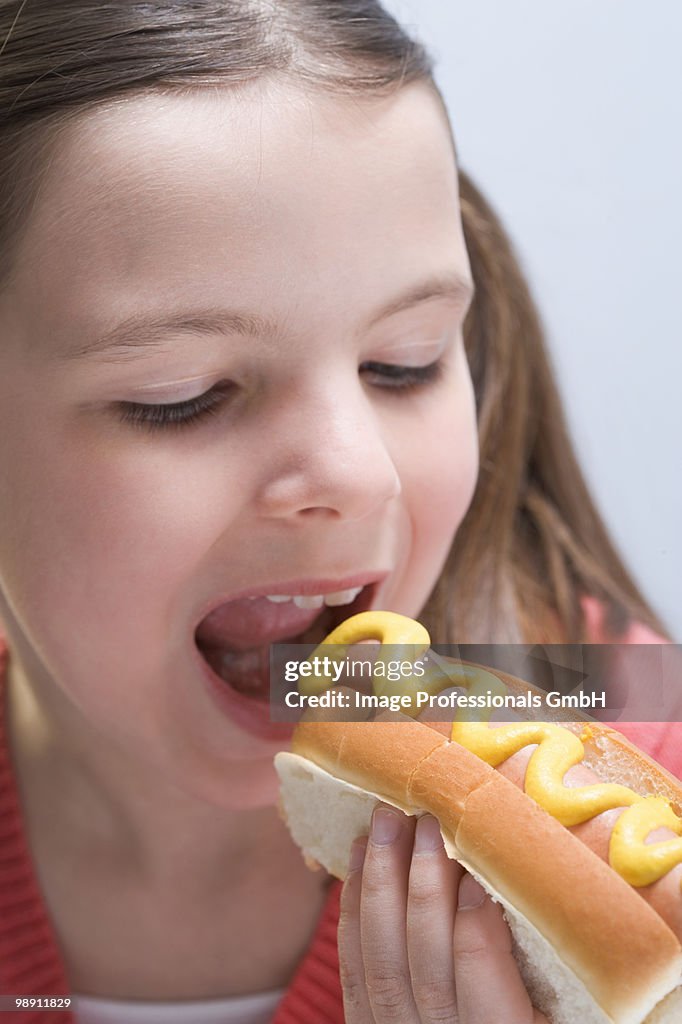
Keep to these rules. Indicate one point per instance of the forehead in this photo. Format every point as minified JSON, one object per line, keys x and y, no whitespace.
{"x":215,"y":195}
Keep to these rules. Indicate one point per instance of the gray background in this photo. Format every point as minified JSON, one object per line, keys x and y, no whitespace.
{"x":569,"y":115}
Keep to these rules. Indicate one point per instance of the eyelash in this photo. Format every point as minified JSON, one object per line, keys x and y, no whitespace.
{"x":177,"y":415}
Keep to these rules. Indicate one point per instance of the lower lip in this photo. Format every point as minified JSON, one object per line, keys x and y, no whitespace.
{"x":250,"y":714}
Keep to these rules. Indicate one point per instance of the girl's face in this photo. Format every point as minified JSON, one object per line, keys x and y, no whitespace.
{"x":231,"y":366}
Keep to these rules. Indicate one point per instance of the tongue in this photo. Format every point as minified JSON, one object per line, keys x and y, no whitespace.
{"x":247,"y":623}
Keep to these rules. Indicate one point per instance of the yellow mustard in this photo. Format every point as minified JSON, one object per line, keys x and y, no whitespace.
{"x":557,"y":749}
{"x":388,"y":628}
{"x":638,"y":862}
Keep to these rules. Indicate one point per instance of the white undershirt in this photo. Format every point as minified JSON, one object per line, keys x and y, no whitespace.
{"x":257,"y":1009}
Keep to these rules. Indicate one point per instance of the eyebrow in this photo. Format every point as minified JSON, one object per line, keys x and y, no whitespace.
{"x":145,"y":330}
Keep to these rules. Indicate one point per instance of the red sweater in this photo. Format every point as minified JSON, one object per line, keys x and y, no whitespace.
{"x":30,"y":959}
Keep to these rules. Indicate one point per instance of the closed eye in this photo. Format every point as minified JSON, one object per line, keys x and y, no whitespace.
{"x":394,"y":377}
{"x":176,"y":414}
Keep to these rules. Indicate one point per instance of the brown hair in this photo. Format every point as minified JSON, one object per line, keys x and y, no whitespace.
{"x":532,"y":542}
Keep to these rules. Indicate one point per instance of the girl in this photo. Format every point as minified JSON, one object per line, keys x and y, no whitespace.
{"x":259,"y":354}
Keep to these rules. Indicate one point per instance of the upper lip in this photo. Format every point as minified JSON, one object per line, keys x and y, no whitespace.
{"x":326,"y":585}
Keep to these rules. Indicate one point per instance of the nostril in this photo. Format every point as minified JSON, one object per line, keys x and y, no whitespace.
{"x":331,"y":482}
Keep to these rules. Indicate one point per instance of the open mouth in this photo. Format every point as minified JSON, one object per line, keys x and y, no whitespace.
{"x":235,"y":639}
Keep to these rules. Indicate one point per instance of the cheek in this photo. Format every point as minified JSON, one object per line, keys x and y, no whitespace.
{"x":443,"y":468}
{"x":449,"y":487}
{"x":108,"y":538}
{"x":438,"y":473}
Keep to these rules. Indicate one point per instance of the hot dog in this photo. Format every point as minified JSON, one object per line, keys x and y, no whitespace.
{"x":591,"y":946}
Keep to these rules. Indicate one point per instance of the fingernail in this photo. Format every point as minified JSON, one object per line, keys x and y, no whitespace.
{"x":470,"y":893}
{"x":385,"y":826}
{"x":427,"y":837}
{"x":357,"y":854}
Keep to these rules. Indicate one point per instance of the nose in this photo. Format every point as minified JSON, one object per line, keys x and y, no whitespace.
{"x":329,"y":457}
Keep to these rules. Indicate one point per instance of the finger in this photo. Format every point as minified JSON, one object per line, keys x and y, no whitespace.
{"x":486,"y":974}
{"x":432,"y":897}
{"x":383,"y":911}
{"x":356,"y":1008}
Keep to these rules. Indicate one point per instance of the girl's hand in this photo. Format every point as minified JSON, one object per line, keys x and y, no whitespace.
{"x":419,"y":942}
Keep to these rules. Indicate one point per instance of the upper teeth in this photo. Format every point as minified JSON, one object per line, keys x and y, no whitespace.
{"x":317,"y":600}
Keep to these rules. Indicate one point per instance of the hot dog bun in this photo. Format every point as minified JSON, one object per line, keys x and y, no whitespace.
{"x":589,"y":947}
